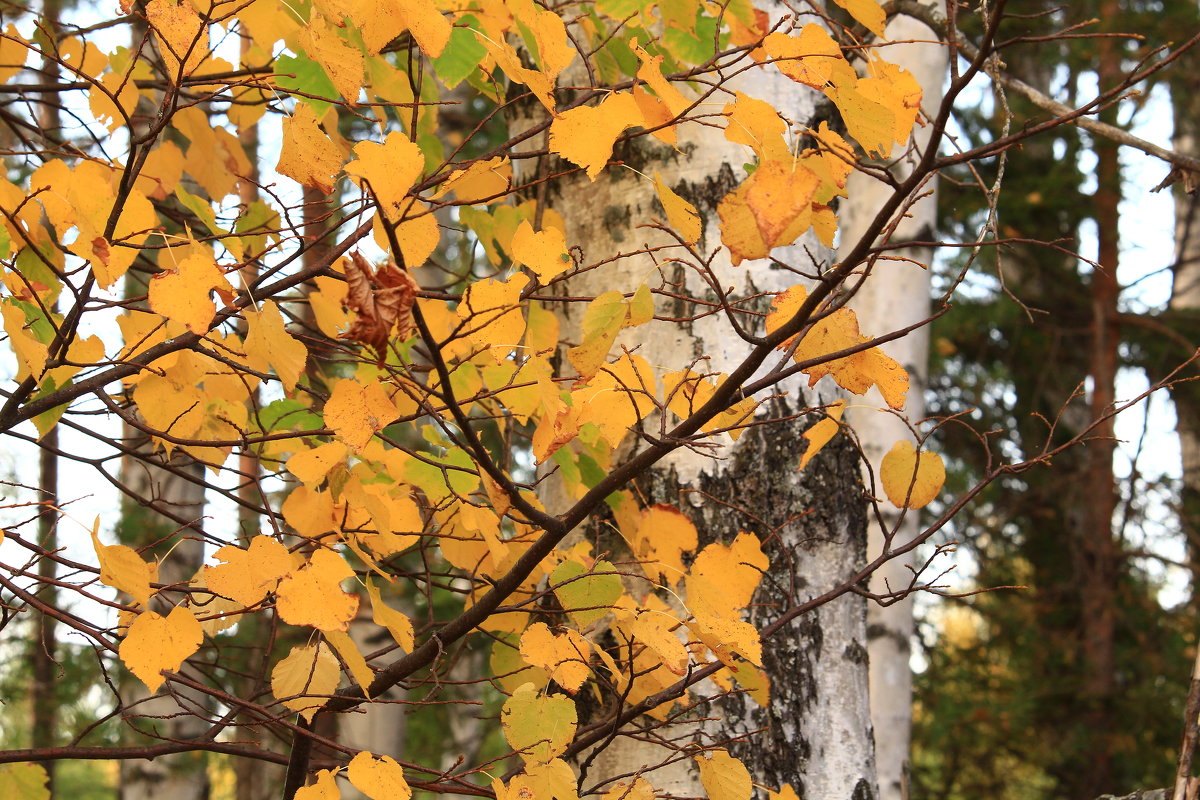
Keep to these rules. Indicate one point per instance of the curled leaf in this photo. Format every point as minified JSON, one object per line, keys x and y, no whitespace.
{"x":382,"y":299}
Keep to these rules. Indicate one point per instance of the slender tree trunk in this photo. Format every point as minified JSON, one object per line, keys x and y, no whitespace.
{"x":43,"y":696}
{"x":1097,"y":551}
{"x":894,"y":296}
{"x":815,"y":734}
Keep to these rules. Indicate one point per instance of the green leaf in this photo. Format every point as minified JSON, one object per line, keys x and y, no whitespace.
{"x":462,"y":55}
{"x":309,"y":78}
{"x":587,"y":598}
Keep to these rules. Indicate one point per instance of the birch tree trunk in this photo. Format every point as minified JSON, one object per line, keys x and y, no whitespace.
{"x":896,"y":295}
{"x":815,"y":735}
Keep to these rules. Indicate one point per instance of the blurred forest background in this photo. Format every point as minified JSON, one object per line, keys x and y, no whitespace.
{"x":1006,"y":705}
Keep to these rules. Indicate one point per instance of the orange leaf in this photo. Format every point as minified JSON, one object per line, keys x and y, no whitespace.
{"x":183,"y":294}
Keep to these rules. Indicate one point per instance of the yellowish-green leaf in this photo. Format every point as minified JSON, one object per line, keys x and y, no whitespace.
{"x":586,"y":595}
{"x":537,"y":726}
{"x":24,"y":780}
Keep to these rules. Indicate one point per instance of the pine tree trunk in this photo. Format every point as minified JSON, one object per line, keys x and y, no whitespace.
{"x":896,"y":295}
{"x":815,"y":735}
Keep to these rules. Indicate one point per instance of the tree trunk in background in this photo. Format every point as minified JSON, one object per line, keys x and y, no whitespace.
{"x":43,"y":697}
{"x":815,"y":735}
{"x":895,"y":295}
{"x":1096,"y":550}
{"x":1185,"y":298}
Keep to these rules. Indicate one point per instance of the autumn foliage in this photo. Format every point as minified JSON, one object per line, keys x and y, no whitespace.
{"x":363,"y":336}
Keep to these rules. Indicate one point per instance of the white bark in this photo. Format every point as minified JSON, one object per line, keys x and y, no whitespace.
{"x":817,"y":735}
{"x":894,"y":296}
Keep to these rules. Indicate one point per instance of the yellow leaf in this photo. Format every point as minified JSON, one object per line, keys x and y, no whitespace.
{"x":313,"y":595}
{"x":653,"y":629}
{"x":13,"y":52}
{"x":565,"y":655}
{"x":269,"y":343}
{"x":724,"y":777}
{"x":549,"y":33}
{"x":348,"y":650}
{"x":492,"y":311}
{"x":554,"y":779}
{"x":31,"y":354}
{"x":378,"y":777}
{"x":895,"y":88}
{"x":123,"y":569}
{"x":302,"y":678}
{"x":342,"y":62}
{"x":155,"y":643}
{"x":772,"y":208}
{"x":786,"y":792}
{"x":680,"y":213}
{"x":309,"y":511}
{"x":113,"y":99}
{"x":538,"y":727}
{"x":509,"y":62}
{"x":585,"y":135}
{"x":182,"y":36}
{"x":651,"y":73}
{"x":655,"y":115}
{"x":482,"y":182}
{"x":307,"y":154}
{"x":391,"y":169}
{"x":639,"y":790}
{"x":664,"y":534}
{"x":356,"y":412}
{"x":819,"y":434}
{"x":182,"y":294}
{"x":810,"y":58}
{"x":834,"y":333}
{"x":756,"y":123}
{"x":247,"y":575}
{"x":426,"y":24}
{"x":868,"y":12}
{"x":311,"y":466}
{"x":544,"y":252}
{"x":909,"y":479}
{"x":397,"y":624}
{"x":324,"y":789}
